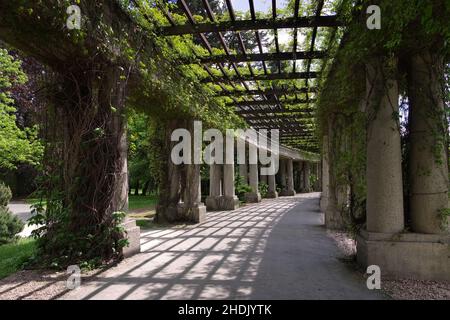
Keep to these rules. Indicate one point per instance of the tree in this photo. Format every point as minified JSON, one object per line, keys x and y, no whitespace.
{"x":142,"y":165}
{"x":16,"y":145}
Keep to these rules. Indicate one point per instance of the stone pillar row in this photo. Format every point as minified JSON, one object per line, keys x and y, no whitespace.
{"x":221,"y":189}
{"x":222,"y":195}
{"x":422,"y":252}
{"x":287,"y":177}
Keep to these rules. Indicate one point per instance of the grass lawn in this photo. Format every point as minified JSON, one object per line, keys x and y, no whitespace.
{"x":142,"y":208}
{"x":14,"y":255}
{"x":134,"y":202}
{"x":141,"y":202}
{"x":33,"y":201}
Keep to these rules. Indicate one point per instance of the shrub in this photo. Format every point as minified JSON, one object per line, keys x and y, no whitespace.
{"x":10,"y":226}
{"x":5,"y":195}
{"x":241,"y":187}
{"x":263,"y":189}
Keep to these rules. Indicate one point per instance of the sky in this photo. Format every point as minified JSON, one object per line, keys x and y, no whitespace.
{"x":266,"y":7}
{"x":260,"y":5}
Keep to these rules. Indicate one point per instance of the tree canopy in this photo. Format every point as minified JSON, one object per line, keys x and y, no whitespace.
{"x":17,"y":145}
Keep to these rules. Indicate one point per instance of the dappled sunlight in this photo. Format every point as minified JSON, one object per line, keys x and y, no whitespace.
{"x":218,"y":259}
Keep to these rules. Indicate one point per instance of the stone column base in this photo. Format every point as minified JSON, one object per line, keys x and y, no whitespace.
{"x":406,"y":255}
{"x":334,"y":219}
{"x":133,"y":235}
{"x":272,"y":194}
{"x":197,"y":212}
{"x":218,"y":203}
{"x":287,"y":193}
{"x":212,"y":203}
{"x":252,"y":197}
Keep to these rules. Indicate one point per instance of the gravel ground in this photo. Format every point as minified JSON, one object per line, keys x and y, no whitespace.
{"x":401,"y":289}
{"x":37,"y":285}
{"x":33,"y":285}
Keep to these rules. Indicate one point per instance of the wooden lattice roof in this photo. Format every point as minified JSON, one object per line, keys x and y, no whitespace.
{"x":287,"y":107}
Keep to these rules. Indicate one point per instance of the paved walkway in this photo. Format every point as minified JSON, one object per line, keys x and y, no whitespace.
{"x":277,"y":249}
{"x":22,"y":210}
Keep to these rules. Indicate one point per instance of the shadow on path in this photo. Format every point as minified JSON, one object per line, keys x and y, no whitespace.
{"x":273,"y":250}
{"x":301,"y":262}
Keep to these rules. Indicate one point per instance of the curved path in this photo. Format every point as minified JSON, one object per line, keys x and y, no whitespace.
{"x":277,"y":249}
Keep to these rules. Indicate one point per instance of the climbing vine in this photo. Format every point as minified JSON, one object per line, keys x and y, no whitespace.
{"x":407,"y":27}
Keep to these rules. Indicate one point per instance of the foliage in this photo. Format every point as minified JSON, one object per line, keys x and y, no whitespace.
{"x":10,"y":226}
{"x":16,"y":145}
{"x":407,"y":27}
{"x":313,"y":179}
{"x":241,"y":187}
{"x":263,"y":189}
{"x":14,"y":255}
{"x":142,"y":161}
{"x":5,"y":195}
{"x":57,"y":248}
{"x":444,"y":216}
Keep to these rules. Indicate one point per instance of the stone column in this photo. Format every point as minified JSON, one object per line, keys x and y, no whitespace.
{"x":319,"y":176}
{"x":301,"y":186}
{"x":384,"y":170}
{"x":215,"y":175}
{"x":192,"y":208}
{"x":428,"y":164}
{"x":254,"y":195}
{"x":333,"y":216}
{"x":316,"y":186}
{"x":272,"y":193}
{"x":229,"y":200}
{"x":325,"y":176}
{"x":290,"y":177}
{"x":282,"y":175}
{"x":306,"y":174}
{"x":170,"y":186}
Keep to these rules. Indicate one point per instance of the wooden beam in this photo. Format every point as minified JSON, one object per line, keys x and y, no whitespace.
{"x":245,"y":25}
{"x":262,"y":77}
{"x":296,"y":117}
{"x":277,"y":111}
{"x":270,"y":102}
{"x":224,"y":58}
{"x":280,"y":91}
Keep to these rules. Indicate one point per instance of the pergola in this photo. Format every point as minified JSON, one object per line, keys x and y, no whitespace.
{"x":288,"y":107}
{"x":91,"y":166}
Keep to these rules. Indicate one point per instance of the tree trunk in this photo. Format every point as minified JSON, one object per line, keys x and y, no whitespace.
{"x":136,"y":188}
{"x":145,"y":188}
{"x":94,"y":166}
